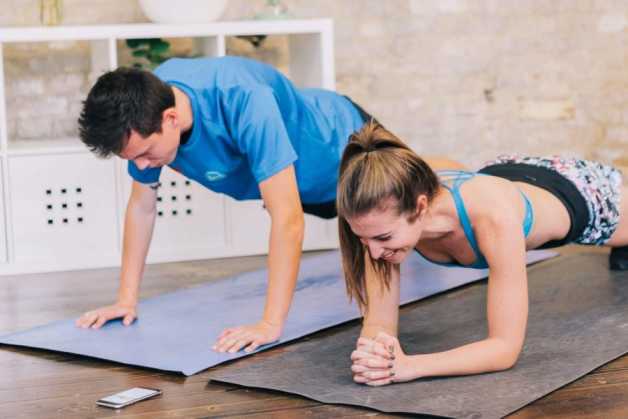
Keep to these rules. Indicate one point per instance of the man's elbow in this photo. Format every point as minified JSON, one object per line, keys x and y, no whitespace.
{"x":294,"y":225}
{"x":141,"y":207}
{"x":299,"y":226}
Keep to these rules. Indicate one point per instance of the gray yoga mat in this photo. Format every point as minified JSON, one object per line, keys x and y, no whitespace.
{"x":578,"y":321}
{"x":175,"y":331}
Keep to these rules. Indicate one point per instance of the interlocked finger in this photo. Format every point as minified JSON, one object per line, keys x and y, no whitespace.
{"x":373,"y":375}
{"x":374,"y":347}
{"x":378,"y":383}
{"x":359,"y":354}
{"x":359,"y":378}
{"x":386,"y":340}
{"x":374,"y":363}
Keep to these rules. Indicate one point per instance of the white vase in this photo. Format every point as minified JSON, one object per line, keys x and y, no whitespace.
{"x":183,"y":11}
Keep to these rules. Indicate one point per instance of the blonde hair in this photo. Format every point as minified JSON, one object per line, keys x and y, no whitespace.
{"x":376,"y":169}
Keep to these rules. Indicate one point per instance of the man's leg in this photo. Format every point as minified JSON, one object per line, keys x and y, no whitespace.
{"x":326,"y":210}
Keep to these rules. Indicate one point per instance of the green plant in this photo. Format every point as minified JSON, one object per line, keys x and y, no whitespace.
{"x":255,"y":40}
{"x":152,"y":50}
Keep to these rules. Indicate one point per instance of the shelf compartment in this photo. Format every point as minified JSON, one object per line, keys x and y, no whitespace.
{"x":45,"y":84}
{"x":59,"y":210}
{"x":300,"y":57}
{"x":179,"y":47}
{"x":270,"y":49}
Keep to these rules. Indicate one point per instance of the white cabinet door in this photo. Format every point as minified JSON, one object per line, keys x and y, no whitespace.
{"x":320,"y":233}
{"x":249,"y":224}
{"x":250,"y":229}
{"x":63,"y":210}
{"x":190,"y":219}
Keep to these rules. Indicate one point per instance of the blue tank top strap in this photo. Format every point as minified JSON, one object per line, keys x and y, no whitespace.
{"x":452,"y":180}
{"x":529,"y":217}
{"x":465,"y":222}
{"x":457,"y":178}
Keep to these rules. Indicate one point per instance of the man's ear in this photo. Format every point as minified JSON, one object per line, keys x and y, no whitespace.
{"x":170,"y":116}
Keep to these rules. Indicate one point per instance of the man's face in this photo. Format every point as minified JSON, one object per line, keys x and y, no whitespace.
{"x":156,"y":150}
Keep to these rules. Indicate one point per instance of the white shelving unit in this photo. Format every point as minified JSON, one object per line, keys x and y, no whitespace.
{"x":62,"y":208}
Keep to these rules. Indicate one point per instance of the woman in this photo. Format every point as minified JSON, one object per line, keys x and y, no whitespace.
{"x":391,"y":203}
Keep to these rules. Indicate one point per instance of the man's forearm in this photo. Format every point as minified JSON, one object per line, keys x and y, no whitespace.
{"x":286,"y":241}
{"x":138,"y":231}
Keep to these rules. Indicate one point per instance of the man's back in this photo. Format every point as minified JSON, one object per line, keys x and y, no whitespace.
{"x":250,"y":122}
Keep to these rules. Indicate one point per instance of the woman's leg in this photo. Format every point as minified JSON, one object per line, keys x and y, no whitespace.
{"x":618,"y":259}
{"x":620,"y":236}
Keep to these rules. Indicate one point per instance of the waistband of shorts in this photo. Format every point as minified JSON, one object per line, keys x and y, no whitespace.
{"x":555,"y":183}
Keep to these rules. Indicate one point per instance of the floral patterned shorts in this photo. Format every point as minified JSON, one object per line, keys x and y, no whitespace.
{"x":599,"y":184}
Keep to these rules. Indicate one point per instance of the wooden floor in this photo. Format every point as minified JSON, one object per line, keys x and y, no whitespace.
{"x":39,"y":384}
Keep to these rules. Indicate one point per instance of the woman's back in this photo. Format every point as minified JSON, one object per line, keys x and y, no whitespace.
{"x":488,"y":200}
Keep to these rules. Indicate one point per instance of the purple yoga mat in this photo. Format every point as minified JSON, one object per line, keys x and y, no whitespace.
{"x":176,"y":330}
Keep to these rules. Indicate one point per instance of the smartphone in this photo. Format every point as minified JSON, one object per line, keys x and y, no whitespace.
{"x":127,"y":397}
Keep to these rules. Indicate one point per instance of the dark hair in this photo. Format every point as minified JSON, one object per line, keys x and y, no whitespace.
{"x":377,"y":169}
{"x":123,"y":100}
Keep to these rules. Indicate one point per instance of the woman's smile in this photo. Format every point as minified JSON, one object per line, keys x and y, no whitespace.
{"x":393,"y":255}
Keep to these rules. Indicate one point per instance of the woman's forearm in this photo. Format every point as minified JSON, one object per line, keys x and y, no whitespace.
{"x":488,"y":355}
{"x":370,"y":330}
{"x":382,"y":314}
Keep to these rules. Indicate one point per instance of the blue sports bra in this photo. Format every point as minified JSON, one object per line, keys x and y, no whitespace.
{"x":456,"y":178}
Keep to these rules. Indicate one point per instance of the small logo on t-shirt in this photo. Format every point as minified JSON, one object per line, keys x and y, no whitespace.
{"x":213,"y":176}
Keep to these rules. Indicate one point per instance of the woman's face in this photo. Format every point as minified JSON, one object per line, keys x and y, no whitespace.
{"x":388,"y":235}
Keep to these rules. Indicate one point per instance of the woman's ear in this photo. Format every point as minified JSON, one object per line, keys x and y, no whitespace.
{"x":421,"y":205}
{"x":421,"y":208}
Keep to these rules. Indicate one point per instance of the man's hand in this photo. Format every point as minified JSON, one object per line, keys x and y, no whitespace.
{"x":96,"y":318}
{"x":233,"y":339}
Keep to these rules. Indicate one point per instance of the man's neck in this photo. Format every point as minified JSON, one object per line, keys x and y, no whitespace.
{"x":184,"y":110}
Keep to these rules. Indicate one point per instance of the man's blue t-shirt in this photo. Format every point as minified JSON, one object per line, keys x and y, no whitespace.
{"x":250,"y":122}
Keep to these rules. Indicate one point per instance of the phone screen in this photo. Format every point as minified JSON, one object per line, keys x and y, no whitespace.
{"x":127,"y":397}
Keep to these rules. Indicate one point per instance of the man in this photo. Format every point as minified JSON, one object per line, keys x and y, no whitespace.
{"x":237,"y":127}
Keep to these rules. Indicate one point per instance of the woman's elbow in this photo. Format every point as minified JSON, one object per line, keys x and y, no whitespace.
{"x":508,"y":361}
{"x":507,"y":356}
